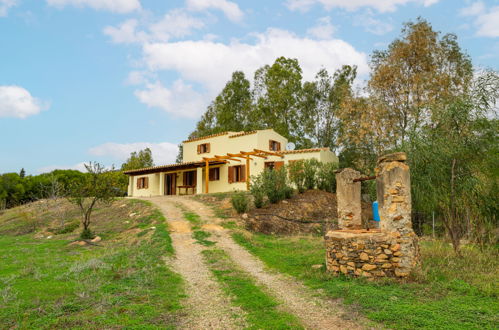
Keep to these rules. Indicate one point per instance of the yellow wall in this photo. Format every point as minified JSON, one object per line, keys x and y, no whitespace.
{"x":221,"y":145}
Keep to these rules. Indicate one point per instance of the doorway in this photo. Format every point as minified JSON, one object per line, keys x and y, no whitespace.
{"x":171,"y":184}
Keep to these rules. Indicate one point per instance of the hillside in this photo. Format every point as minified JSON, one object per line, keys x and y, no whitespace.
{"x":48,"y":282}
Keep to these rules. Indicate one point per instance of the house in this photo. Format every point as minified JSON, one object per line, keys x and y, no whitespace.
{"x":219,"y":163}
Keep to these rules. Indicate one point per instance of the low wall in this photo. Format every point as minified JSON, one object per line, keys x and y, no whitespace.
{"x":371,"y":253}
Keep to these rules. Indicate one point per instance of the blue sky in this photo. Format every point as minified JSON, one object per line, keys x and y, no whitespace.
{"x":85,"y":80}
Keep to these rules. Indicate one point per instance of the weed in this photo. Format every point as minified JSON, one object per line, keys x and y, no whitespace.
{"x":240,"y":202}
{"x":201,"y":237}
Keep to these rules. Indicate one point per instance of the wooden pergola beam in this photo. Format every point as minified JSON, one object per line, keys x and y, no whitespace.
{"x":227,"y":157}
{"x":240,"y":156}
{"x":252,"y":153}
{"x":269,"y":153}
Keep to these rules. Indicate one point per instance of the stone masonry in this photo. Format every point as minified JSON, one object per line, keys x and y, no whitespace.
{"x":348,"y":199}
{"x":393,"y":249}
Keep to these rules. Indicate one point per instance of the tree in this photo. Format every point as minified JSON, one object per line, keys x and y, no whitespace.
{"x":277,"y":96}
{"x":22,"y":173}
{"x":417,"y":72}
{"x":97,"y":187}
{"x":137,"y":160}
{"x":321,"y":103}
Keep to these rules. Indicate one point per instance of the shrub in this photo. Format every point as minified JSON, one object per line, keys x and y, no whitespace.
{"x":275,"y":184}
{"x":326,"y":178}
{"x":297,"y":175}
{"x":257,"y":191}
{"x":310,"y":167}
{"x":87,"y":234}
{"x":240,"y":202}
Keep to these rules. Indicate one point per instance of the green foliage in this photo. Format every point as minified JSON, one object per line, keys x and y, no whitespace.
{"x":297,"y":175}
{"x":86,"y":234}
{"x":257,"y":190}
{"x":201,"y":238}
{"x":310,"y":167}
{"x":275,"y":184}
{"x":240,"y":202}
{"x":137,"y":160}
{"x":326,"y":177}
{"x":451,"y":292}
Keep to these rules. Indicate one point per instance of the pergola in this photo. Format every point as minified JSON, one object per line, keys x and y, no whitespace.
{"x":235,"y":157}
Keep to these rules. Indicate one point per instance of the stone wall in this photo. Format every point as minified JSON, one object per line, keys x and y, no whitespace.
{"x":348,"y":198}
{"x":392,"y":250}
{"x":370,"y":253}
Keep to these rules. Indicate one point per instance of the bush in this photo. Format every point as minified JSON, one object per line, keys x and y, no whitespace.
{"x":297,"y":175}
{"x":87,"y":234}
{"x":275,"y":184}
{"x":257,"y":191}
{"x":240,"y":202}
{"x":326,"y":178}
{"x":310,"y":167}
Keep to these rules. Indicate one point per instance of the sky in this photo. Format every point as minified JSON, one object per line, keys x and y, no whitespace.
{"x":94,"y":80}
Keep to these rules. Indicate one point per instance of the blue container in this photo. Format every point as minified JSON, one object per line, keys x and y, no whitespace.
{"x":375,"y":211}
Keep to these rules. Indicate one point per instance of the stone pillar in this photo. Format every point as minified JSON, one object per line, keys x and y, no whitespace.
{"x":199,"y":180}
{"x":348,"y":199}
{"x":393,"y":189}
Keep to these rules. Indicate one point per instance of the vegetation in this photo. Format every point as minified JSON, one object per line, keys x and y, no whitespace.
{"x":240,"y":202}
{"x":261,"y":309}
{"x":48,"y":283}
{"x":450,"y":292}
{"x":137,"y":160}
{"x":423,"y":97}
{"x":98,"y":187}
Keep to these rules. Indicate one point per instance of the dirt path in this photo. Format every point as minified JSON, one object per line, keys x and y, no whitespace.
{"x":314,"y":312}
{"x":207,"y":306}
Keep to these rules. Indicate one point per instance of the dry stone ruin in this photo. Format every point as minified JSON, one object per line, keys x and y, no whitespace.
{"x":392,"y":250}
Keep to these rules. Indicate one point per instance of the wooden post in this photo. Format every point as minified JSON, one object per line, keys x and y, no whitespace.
{"x":247,"y":173}
{"x":207,"y":176}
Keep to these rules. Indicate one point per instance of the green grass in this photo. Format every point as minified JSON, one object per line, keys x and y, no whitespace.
{"x":447,"y":294}
{"x":192,"y":217}
{"x":262,"y":311}
{"x":201,"y":237}
{"x":46,"y":283}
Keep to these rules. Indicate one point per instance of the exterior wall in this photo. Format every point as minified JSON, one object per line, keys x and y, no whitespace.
{"x":152,"y":190}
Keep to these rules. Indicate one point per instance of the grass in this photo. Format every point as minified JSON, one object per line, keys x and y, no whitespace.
{"x":124,"y":283}
{"x":201,"y":237}
{"x":449,"y":292}
{"x":262,"y":311}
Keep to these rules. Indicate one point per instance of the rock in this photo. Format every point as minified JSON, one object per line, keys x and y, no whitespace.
{"x":351,"y":264}
{"x":339,"y":255}
{"x":318,"y":266}
{"x":244,"y":216}
{"x":122,"y":205}
{"x":386,"y":265}
{"x":131,"y":215}
{"x":285,"y":202}
{"x":127,"y":221}
{"x":400,"y":273}
{"x":382,"y":256}
{"x":387,"y":251}
{"x":395,"y":247}
{"x":395,"y":157}
{"x":364,"y":256}
{"x":358,"y":272}
{"x":96,"y":239}
{"x":79,"y":243}
{"x":343,"y":269}
{"x":395,"y":259}
{"x":397,"y":254}
{"x":369,"y":267}
{"x":335,"y":268}
{"x":153,"y":227}
{"x":49,"y":237}
{"x":366,"y":274}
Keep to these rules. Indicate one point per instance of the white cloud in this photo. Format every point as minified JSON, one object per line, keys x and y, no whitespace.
{"x":175,"y":24}
{"x":17,"y":102}
{"x":116,"y":6}
{"x":229,"y":8}
{"x":323,"y":29}
{"x":379,"y":5}
{"x":212,"y":63}
{"x":5,"y":5}
{"x":486,"y":20}
{"x":181,"y":99}
{"x":162,"y":153}
{"x":371,"y":24}
{"x":475,"y":8}
{"x":80,"y":167}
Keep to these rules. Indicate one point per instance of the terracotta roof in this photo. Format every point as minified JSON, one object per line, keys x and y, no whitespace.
{"x":205,"y":137}
{"x":155,"y":169}
{"x":302,"y":151}
{"x":242,"y":134}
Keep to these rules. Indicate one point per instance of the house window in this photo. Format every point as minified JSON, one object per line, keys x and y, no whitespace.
{"x":143,"y":183}
{"x":190,"y":178}
{"x":203,"y":148}
{"x":237,"y":173}
{"x":274,"y":145}
{"x":214,"y":174}
{"x":273,"y":165}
